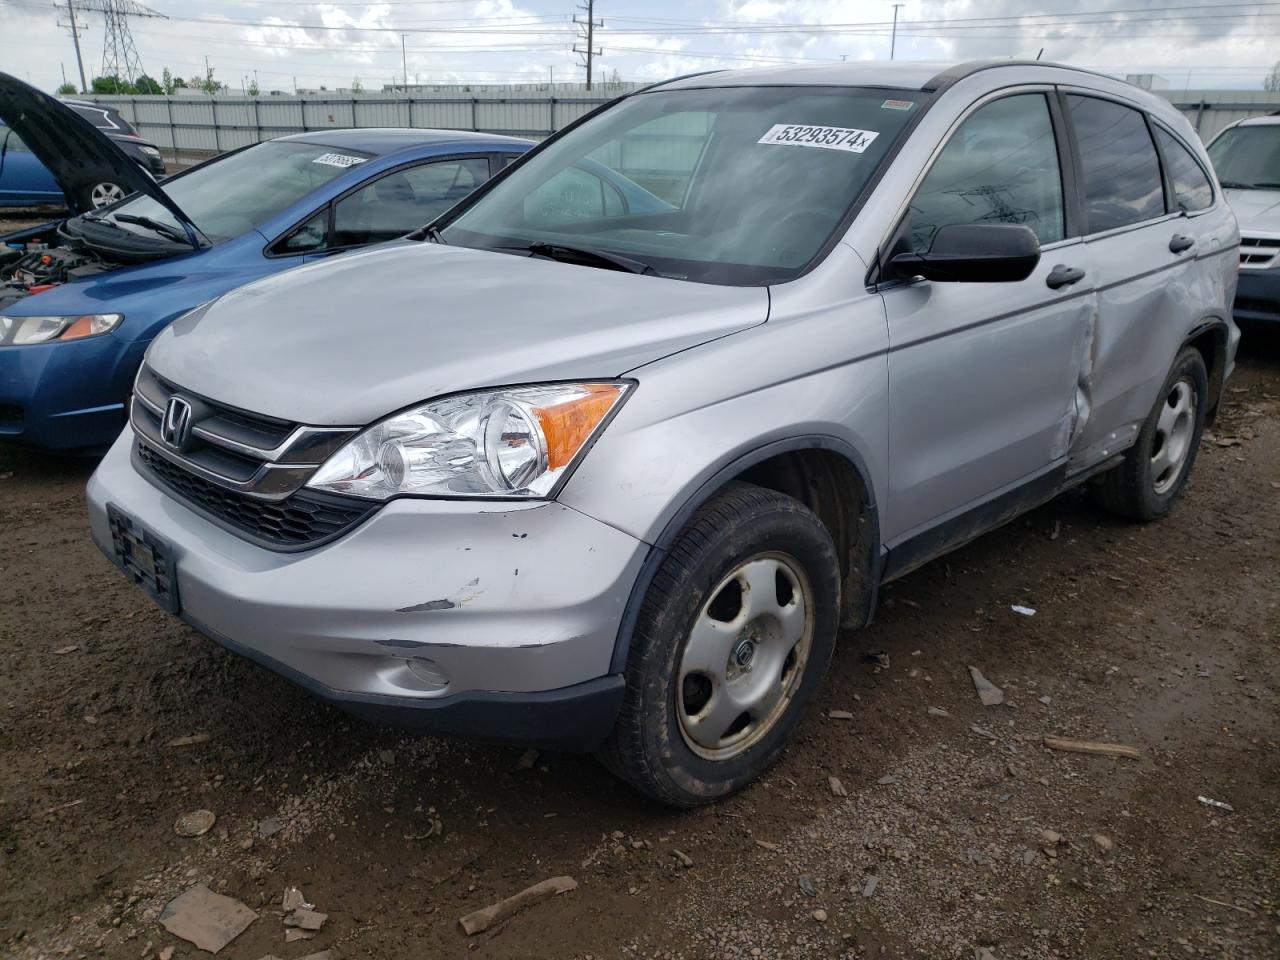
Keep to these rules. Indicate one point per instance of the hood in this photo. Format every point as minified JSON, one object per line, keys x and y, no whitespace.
{"x":350,"y":340}
{"x":76,"y":152}
{"x":1257,"y":210}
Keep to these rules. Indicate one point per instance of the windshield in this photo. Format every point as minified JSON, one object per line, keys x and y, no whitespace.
{"x":1248,"y":157}
{"x":236,"y":193}
{"x":738,"y":185}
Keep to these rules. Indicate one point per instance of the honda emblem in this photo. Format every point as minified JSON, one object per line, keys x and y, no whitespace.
{"x":175,"y":426}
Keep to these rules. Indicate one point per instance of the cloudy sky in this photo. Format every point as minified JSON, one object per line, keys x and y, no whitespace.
{"x":1206,"y":45}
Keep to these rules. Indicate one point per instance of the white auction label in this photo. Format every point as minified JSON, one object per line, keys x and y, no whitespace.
{"x":338,"y":160}
{"x":828,"y":138}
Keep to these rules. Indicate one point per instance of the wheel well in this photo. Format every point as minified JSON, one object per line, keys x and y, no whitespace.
{"x":1212,"y":344}
{"x":834,"y":489}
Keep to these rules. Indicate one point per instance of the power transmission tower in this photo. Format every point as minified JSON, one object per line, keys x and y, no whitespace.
{"x":119,"y":55}
{"x":586,"y":31}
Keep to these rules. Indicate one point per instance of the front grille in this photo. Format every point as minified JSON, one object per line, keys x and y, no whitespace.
{"x":1259,"y":253}
{"x":304,"y":519}
{"x":245,"y":470}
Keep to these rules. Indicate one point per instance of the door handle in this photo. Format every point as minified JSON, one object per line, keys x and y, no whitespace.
{"x":1181,"y":242}
{"x":1063,"y":276}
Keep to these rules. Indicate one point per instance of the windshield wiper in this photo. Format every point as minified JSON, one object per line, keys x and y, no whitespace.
{"x":432,"y":233}
{"x":1238,"y":185}
{"x":161,"y":228}
{"x":585,"y":256}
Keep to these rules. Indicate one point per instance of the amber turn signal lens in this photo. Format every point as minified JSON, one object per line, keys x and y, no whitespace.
{"x":568,"y":425}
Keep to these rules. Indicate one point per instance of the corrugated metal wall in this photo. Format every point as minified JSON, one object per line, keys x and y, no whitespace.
{"x":213,"y":124}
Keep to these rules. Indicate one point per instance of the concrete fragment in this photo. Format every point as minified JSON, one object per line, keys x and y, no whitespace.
{"x":207,"y":919}
{"x":988,"y":692}
{"x":305,"y":919}
{"x":269,"y":827}
{"x":189,"y":740}
{"x":938,"y":712}
{"x":292,"y":934}
{"x":293,"y":899}
{"x":840,"y":715}
{"x":194,"y":823}
{"x":166,"y":954}
{"x":481,"y":920}
{"x":686,"y":861}
{"x":837,"y":787}
{"x":527,"y":759}
{"x":869,"y":887}
{"x":1105,"y":843}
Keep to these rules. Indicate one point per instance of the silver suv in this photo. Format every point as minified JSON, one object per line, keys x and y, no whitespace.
{"x":1246,"y":156}
{"x":605,"y":457}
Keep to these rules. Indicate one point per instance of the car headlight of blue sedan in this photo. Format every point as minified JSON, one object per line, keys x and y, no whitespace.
{"x":19,"y":331}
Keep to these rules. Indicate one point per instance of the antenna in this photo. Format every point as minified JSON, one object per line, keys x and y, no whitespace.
{"x":119,"y":55}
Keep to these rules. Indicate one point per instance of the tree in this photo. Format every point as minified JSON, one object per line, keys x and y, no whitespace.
{"x":67,"y":90}
{"x":205,"y":84}
{"x":147,"y":85}
{"x":253,"y":88}
{"x":1272,"y":83}
{"x":357,"y":86}
{"x":170,"y":82}
{"x":110,"y":84}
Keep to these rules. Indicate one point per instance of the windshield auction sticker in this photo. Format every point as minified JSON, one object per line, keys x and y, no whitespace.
{"x":828,"y":138}
{"x":338,"y":160}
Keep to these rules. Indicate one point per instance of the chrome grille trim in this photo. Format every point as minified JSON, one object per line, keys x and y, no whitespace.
{"x":264,"y":472}
{"x":1259,"y":252}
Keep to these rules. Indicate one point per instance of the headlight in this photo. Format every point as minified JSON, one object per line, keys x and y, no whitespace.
{"x":514,"y":442}
{"x":22,"y":330}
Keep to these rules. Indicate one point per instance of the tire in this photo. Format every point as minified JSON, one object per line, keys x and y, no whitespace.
{"x":667,"y":741}
{"x":1155,"y":469}
{"x":97,"y":195}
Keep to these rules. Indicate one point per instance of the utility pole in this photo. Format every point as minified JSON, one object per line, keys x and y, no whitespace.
{"x":586,"y":31}
{"x":893,"y":42}
{"x":75,"y":40}
{"x":404,"y":62}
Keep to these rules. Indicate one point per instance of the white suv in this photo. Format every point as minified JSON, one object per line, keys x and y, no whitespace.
{"x":1247,"y":158}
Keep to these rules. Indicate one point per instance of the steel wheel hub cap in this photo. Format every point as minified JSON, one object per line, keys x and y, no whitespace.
{"x":1174,"y":429}
{"x":744,"y":658}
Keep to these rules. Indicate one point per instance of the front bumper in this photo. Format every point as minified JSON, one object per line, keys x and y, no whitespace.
{"x":1258,"y":295}
{"x":66,"y":396}
{"x":491,"y":620}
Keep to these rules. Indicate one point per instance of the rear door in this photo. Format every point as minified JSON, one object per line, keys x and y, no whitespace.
{"x":1141,"y":251}
{"x":982,"y":376}
{"x":23,"y":178}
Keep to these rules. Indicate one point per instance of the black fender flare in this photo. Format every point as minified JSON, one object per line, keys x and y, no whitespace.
{"x":722,"y":475}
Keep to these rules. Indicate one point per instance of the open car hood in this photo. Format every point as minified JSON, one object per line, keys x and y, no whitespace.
{"x":75,"y":152}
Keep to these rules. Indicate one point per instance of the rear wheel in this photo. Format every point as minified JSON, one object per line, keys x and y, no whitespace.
{"x":1156,"y":467}
{"x":104,"y":194}
{"x":732,"y":639}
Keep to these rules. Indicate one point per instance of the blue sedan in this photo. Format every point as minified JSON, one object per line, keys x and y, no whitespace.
{"x":76,"y":316}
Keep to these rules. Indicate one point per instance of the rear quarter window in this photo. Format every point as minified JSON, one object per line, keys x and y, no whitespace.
{"x":1191,"y":188}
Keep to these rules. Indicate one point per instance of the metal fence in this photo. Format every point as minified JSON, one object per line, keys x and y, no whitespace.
{"x":207,"y":125}
{"x":204,"y":125}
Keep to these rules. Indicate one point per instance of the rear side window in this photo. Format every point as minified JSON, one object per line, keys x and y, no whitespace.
{"x":1122,"y":181}
{"x":1191,"y":187}
{"x":1000,"y":166}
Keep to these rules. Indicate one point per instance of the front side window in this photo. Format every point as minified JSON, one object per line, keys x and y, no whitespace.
{"x":1000,"y":166}
{"x":1122,"y":181}
{"x":1191,"y":187}
{"x":312,"y":235}
{"x":401,"y":202}
{"x":733,"y":185}
{"x":1248,"y":157}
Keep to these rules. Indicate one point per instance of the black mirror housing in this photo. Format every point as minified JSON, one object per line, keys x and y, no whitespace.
{"x":972,"y":253}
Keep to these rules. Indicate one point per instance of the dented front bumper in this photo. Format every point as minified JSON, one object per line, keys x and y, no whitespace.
{"x":492,"y":619}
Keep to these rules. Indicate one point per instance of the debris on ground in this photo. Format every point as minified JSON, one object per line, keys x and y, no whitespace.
{"x":293,"y":899}
{"x":869,"y":887}
{"x":820,"y":915}
{"x":69,"y":648}
{"x":766,"y":845}
{"x":1092,"y":746}
{"x":207,"y":919}
{"x":188,"y":740}
{"x":305,"y":919}
{"x":837,"y":787}
{"x":840,"y":715}
{"x":1223,"y":903}
{"x":982,"y":953}
{"x":195,"y":823}
{"x":686,"y":861}
{"x":988,"y":692}
{"x":481,"y":920}
{"x":1217,"y":804}
{"x":1025,"y":611}
{"x":269,"y":827}
{"x":938,"y":712}
{"x":1105,"y":843}
{"x":527,"y":759}
{"x":881,"y":660}
{"x":806,"y":885}
{"x":982,"y":732}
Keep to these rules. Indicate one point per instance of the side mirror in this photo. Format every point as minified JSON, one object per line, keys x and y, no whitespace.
{"x":972,"y":253}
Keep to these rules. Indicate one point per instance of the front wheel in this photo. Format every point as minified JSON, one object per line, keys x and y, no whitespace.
{"x":732,"y":639}
{"x":104,"y":194}
{"x":1155,"y":469}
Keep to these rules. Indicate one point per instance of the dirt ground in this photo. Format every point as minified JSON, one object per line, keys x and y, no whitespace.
{"x":1165,"y":637}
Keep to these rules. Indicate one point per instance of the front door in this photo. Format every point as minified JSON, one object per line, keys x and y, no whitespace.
{"x":983,"y":376}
